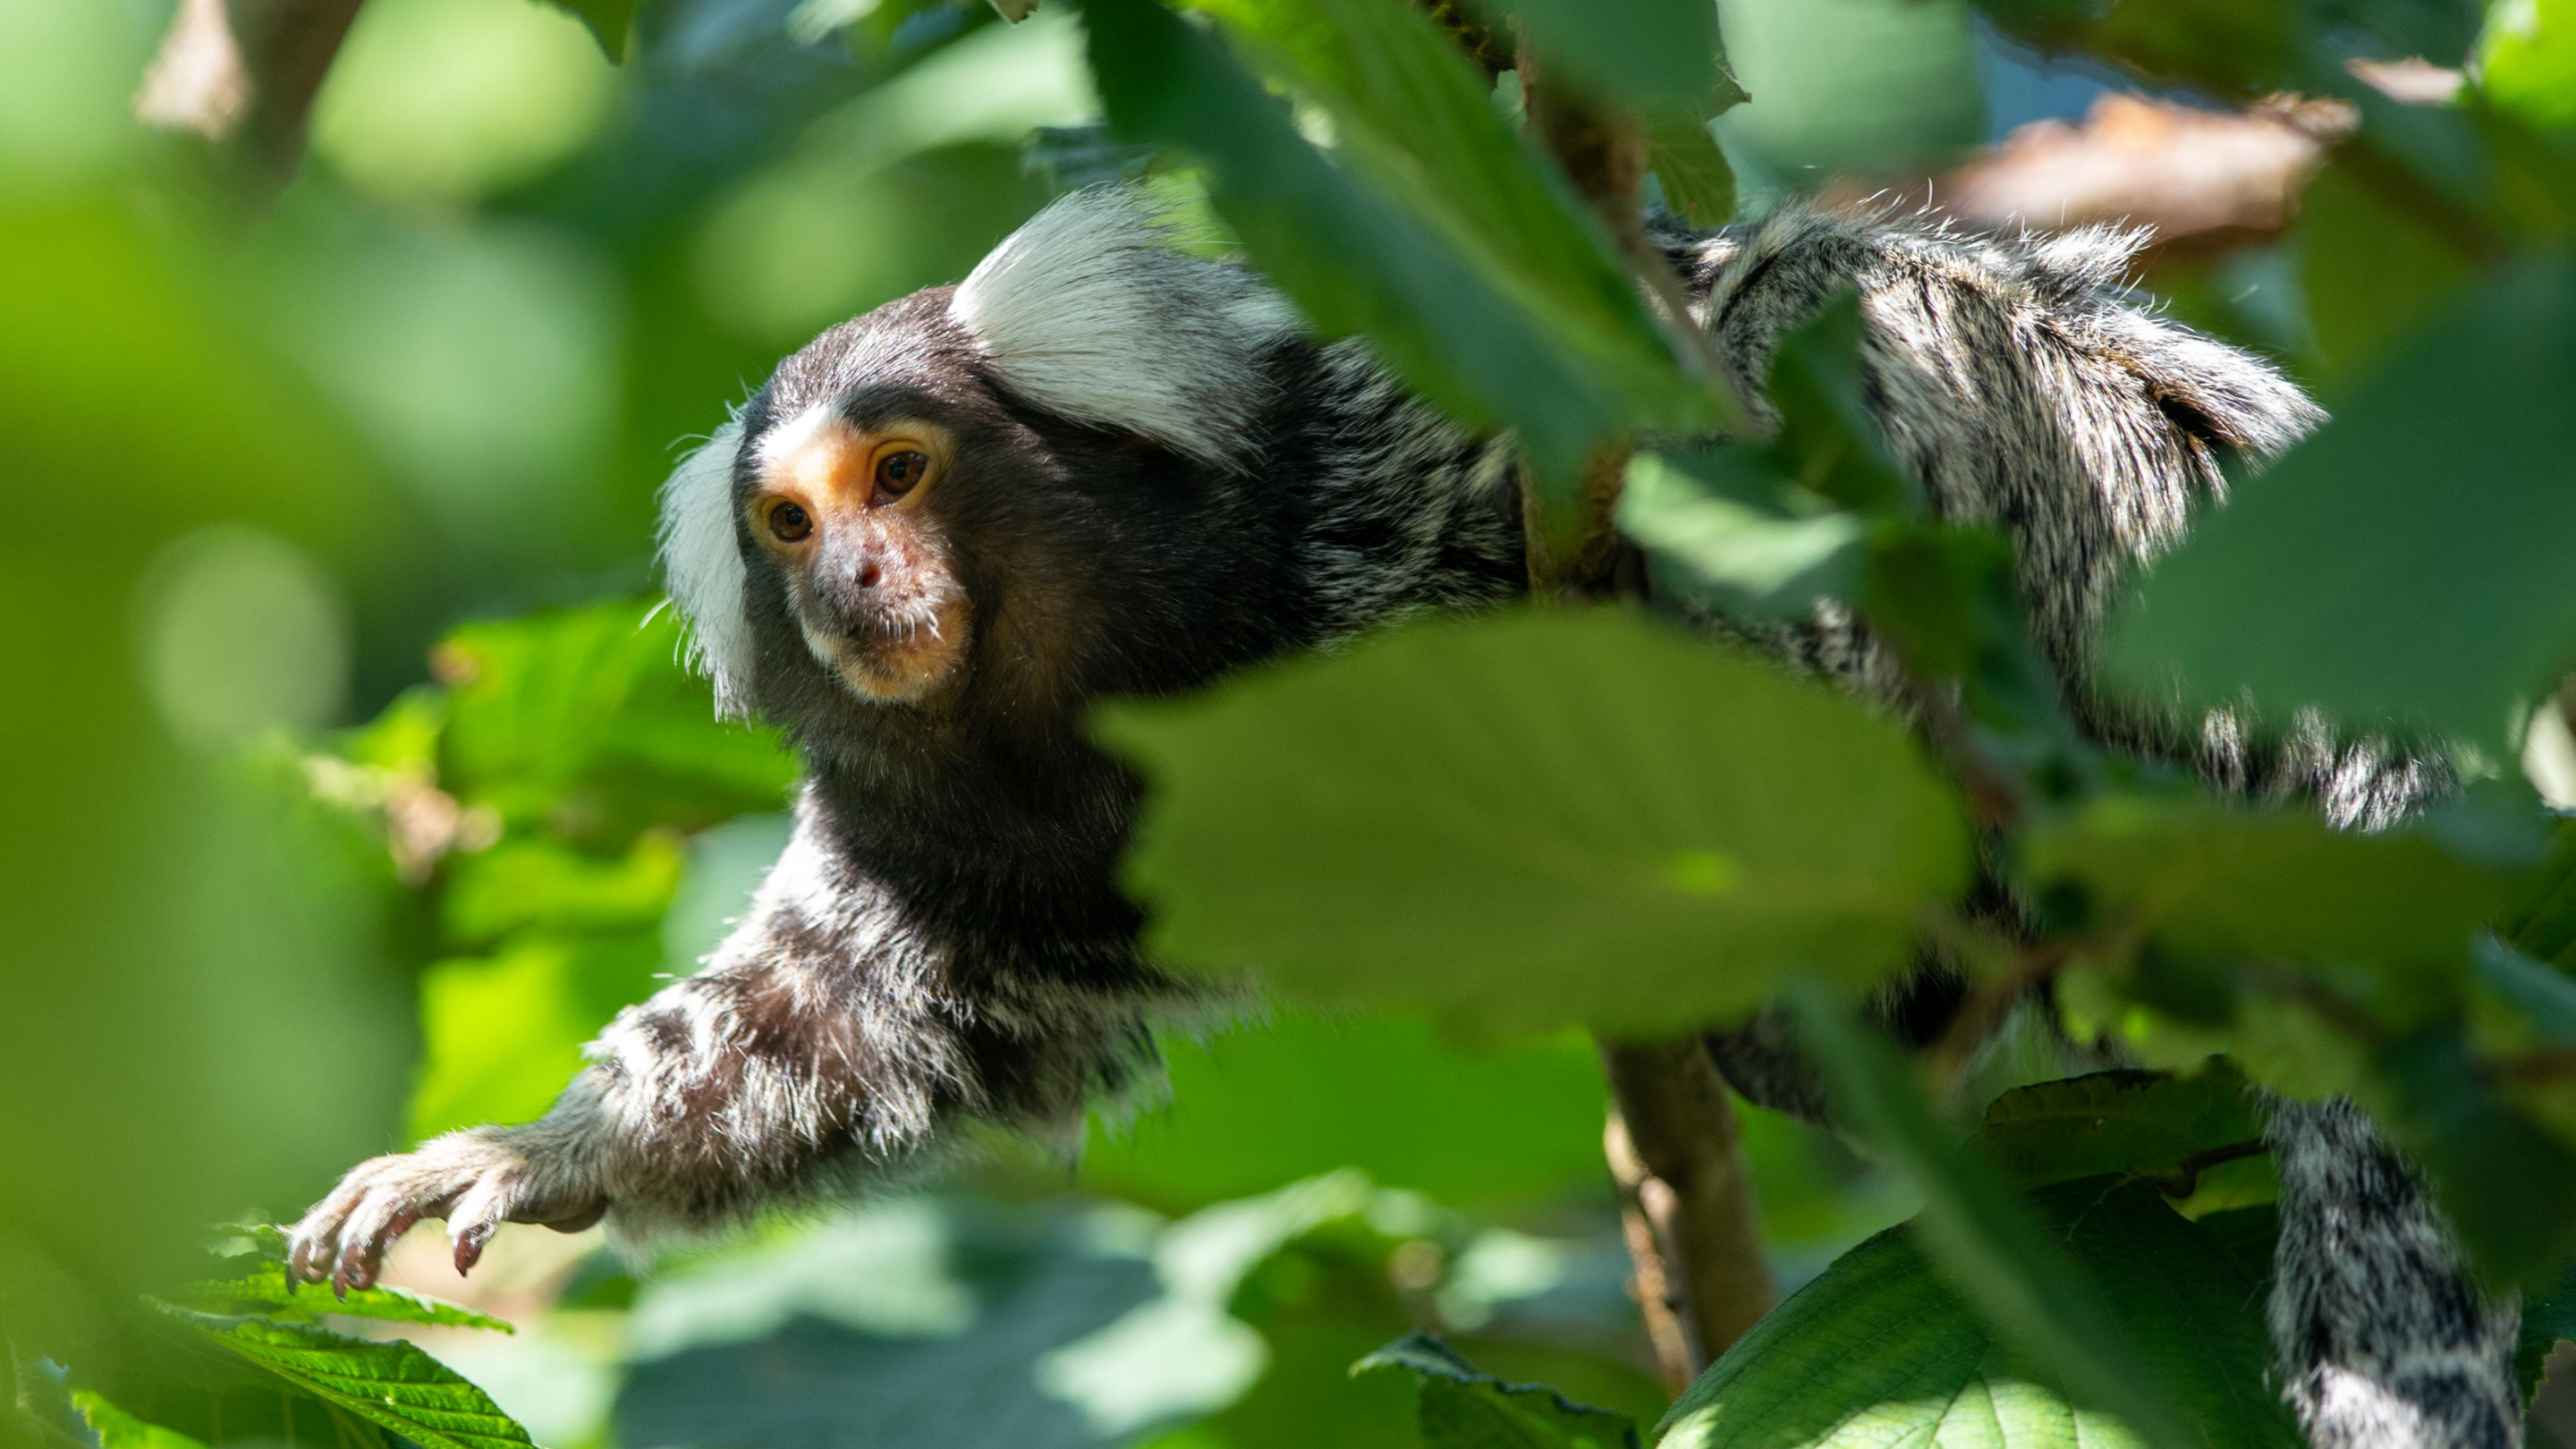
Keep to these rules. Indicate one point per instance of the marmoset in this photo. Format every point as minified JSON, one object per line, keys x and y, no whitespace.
{"x":1102,"y":466}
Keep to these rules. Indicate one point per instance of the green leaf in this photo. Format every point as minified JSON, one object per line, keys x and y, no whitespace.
{"x":1852,"y":87}
{"x":1433,"y":229}
{"x":1712,"y":517}
{"x":1881,"y":1350}
{"x":609,"y":21}
{"x":1300,"y":1096}
{"x":2219,"y":883}
{"x":2245,"y":1236}
{"x":1996,"y":1250}
{"x":532,"y":884}
{"x":265,"y":1290}
{"x":1463,"y":1408}
{"x":2527,"y":60}
{"x":2116,"y":1122}
{"x":584,"y":722}
{"x":503,"y":1034}
{"x":1648,"y":51}
{"x":1536,"y":818}
{"x":2548,"y":1320}
{"x":2404,"y":565}
{"x":117,"y":1429}
{"x":2544,"y":926}
{"x":390,"y":1383}
{"x":2472,"y":1138}
{"x":1698,"y":182}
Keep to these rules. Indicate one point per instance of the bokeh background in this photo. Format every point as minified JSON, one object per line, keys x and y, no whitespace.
{"x":349,"y":781}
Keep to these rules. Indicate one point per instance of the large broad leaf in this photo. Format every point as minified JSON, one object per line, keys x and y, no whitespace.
{"x":1301,"y":1095}
{"x":1880,"y":1350}
{"x":1465,"y":1408}
{"x":1992,"y":1246}
{"x":1538,"y":818}
{"x":1439,"y":235}
{"x":390,"y":1383}
{"x":2270,"y":885}
{"x":2117,"y":1122}
{"x":2407,"y":563}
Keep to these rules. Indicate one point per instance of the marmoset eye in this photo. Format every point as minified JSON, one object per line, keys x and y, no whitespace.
{"x":789,"y":523}
{"x":898,"y":472}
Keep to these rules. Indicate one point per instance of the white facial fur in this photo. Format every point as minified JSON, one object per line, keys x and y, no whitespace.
{"x":702,"y":568}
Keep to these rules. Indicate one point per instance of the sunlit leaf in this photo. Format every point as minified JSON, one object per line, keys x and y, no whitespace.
{"x":265,"y":1289}
{"x":502,"y":1035}
{"x":1882,"y":1350}
{"x":532,"y":884}
{"x":2527,"y":59}
{"x":117,"y":1429}
{"x":386,"y":1382}
{"x":584,"y":720}
{"x":1997,"y":1251}
{"x":1534,"y":819}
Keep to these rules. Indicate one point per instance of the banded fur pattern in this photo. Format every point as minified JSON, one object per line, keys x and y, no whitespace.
{"x":2385,"y":1342}
{"x":2025,"y":389}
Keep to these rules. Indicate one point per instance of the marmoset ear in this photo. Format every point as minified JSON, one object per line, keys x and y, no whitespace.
{"x":702,"y":567}
{"x":1092,"y":312}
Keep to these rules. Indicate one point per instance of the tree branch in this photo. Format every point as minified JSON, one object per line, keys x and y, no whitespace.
{"x":1673,"y":1143}
{"x":243,"y":74}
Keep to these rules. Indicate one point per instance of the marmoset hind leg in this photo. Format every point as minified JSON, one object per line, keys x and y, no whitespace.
{"x":2019,"y":383}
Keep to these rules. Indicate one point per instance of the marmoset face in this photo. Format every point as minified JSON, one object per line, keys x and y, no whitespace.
{"x":840,"y":508}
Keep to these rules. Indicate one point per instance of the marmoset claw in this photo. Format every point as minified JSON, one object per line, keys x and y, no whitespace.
{"x":473,"y":1179}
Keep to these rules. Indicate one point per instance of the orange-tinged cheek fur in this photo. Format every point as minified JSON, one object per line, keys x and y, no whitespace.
{"x":876,"y":598}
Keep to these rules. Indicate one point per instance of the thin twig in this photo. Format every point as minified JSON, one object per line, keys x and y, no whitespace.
{"x":2183,"y":1178}
{"x":1673,"y":1142}
{"x":243,"y":74}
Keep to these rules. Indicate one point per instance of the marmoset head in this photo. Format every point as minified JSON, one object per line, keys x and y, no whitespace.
{"x":966,"y":482}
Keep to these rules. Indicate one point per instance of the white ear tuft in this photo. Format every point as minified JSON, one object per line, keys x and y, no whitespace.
{"x":1089,"y":311}
{"x":702,"y":567}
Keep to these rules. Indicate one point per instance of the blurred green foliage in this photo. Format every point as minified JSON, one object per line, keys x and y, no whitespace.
{"x":352,"y":783}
